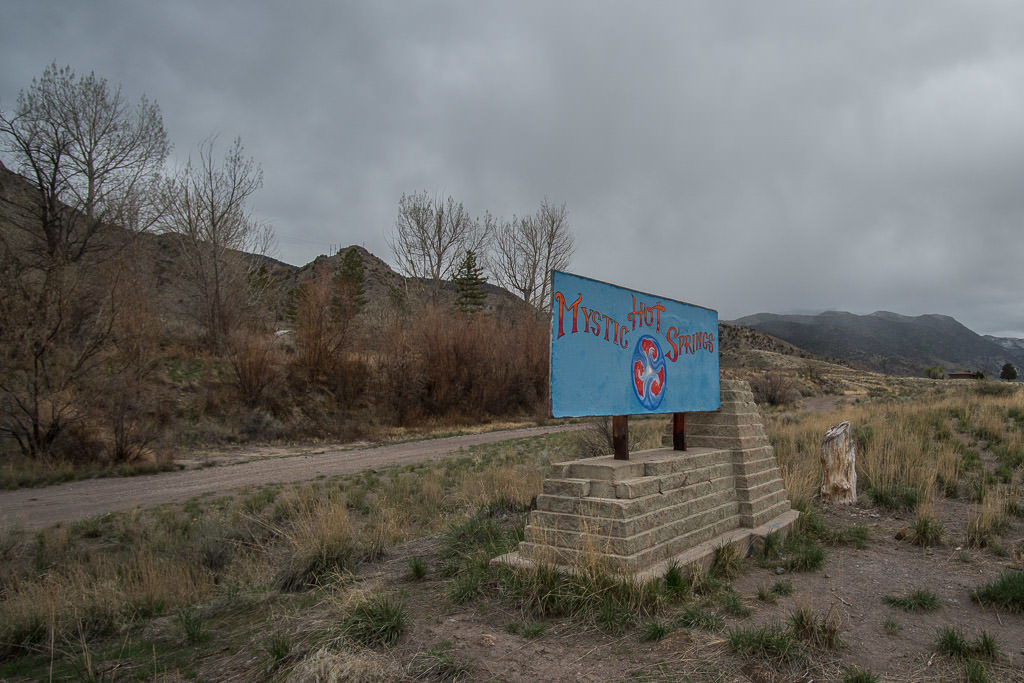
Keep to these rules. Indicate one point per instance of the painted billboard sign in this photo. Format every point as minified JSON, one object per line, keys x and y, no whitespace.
{"x":619,"y":352}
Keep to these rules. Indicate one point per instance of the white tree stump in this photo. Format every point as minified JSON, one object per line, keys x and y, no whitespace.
{"x":839,"y":466}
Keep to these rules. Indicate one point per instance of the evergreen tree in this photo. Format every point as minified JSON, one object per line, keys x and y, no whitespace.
{"x":350,"y":284}
{"x":469,"y":282}
{"x":1008,"y":372}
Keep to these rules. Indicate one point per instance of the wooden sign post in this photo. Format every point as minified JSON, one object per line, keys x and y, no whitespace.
{"x":679,"y":431}
{"x":619,"y":352}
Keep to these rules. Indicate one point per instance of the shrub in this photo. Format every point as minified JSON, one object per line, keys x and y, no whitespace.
{"x":774,"y":389}
{"x":254,"y":363}
{"x":319,"y":541}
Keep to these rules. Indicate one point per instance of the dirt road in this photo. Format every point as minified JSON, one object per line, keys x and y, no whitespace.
{"x":38,"y":508}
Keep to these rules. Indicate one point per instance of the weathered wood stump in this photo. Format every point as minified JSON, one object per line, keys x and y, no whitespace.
{"x":838,"y":462}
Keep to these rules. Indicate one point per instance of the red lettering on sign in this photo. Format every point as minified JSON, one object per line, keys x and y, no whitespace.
{"x":562,"y":308}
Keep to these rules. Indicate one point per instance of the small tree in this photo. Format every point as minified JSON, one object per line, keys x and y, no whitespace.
{"x":1009,"y":372}
{"x":431,"y":235}
{"x":469,"y":283}
{"x":205,"y":208}
{"x":528,"y":249}
{"x":350,"y":284}
{"x":934,"y":372}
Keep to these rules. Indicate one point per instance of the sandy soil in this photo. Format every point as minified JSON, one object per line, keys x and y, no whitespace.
{"x":38,"y":508}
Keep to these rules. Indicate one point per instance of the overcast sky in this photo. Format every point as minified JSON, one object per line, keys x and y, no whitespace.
{"x":745,"y":156}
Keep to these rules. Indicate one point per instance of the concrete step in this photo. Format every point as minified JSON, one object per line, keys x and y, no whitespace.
{"x":747,"y":430}
{"x":631,"y":545}
{"x":767,"y":513}
{"x":752,"y":481}
{"x":608,"y":526}
{"x":729,"y":442}
{"x":751,"y":508}
{"x":761,"y":490}
{"x":626,"y":508}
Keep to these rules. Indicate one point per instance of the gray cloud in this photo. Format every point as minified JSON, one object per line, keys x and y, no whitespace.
{"x":775,"y":157}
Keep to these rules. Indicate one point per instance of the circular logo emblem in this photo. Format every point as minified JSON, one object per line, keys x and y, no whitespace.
{"x":648,"y":372}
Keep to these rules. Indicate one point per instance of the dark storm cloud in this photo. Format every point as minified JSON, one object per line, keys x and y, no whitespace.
{"x":748,"y":157}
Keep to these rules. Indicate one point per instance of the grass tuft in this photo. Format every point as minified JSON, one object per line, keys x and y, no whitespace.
{"x":860,"y":676}
{"x":805,"y":556}
{"x":417,"y":569}
{"x":726,"y":563}
{"x":1006,"y":592}
{"x":819,"y":630}
{"x":952,"y":643}
{"x":654,"y":631}
{"x":698,"y":617}
{"x":375,"y":621}
{"x":918,"y":600}
{"x":765,"y":642}
{"x":438,"y":664}
{"x":926,"y":532}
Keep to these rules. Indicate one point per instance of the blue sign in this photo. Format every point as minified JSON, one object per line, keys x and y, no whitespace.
{"x":619,"y":352}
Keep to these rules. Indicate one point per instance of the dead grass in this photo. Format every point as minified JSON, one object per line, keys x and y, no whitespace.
{"x":256,"y":561}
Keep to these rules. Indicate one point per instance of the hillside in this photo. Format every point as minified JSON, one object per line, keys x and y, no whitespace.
{"x":162,"y":256}
{"x":891,"y":343}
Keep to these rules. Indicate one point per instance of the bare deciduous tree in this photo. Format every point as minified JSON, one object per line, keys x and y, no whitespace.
{"x":432,"y":236}
{"x":205,"y":208}
{"x":90,"y":159}
{"x":527,"y":249}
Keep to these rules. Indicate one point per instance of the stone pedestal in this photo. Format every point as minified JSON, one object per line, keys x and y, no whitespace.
{"x":637,"y":515}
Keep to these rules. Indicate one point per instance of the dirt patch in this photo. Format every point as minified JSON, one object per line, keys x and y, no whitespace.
{"x":893,"y":644}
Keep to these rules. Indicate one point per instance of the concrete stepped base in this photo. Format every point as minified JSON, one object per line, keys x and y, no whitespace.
{"x":661,"y":505}
{"x":746,"y":541}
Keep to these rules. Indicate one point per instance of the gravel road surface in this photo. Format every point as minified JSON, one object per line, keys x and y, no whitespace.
{"x":40,"y":507}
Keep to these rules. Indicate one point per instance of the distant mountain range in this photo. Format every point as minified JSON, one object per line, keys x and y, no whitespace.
{"x":892,"y":343}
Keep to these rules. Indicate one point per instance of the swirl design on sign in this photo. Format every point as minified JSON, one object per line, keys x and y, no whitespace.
{"x":648,"y":372}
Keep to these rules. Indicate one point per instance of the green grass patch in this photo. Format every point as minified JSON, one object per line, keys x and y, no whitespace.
{"x":1006,"y":592}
